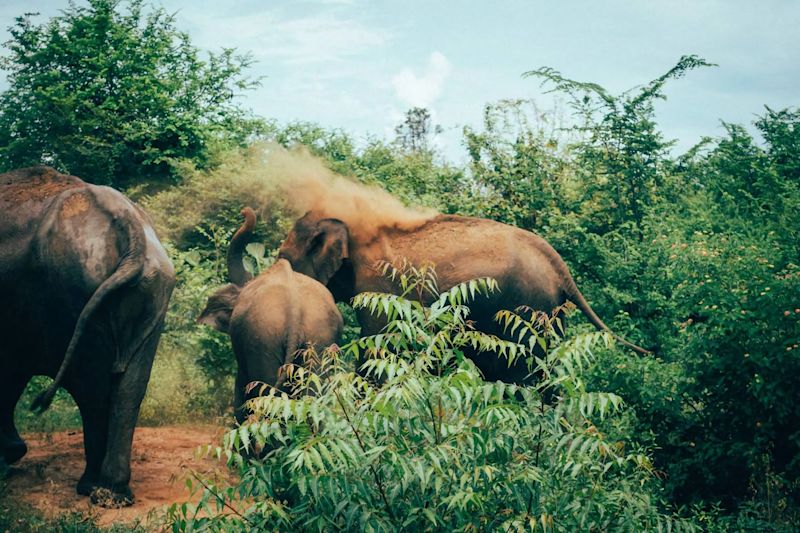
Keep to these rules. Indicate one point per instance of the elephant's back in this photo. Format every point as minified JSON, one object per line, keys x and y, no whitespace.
{"x":51,"y":272}
{"x":67,"y":238}
{"x":525,"y":266}
{"x":34,"y":184}
{"x":315,"y":293}
{"x":320,"y":319}
{"x":85,"y":231}
{"x":278,"y":305}
{"x":459,"y":248}
{"x":25,"y":196}
{"x":263,"y":307}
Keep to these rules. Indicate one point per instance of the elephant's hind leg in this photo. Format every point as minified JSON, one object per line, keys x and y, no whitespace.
{"x":93,"y":404}
{"x":12,"y":447}
{"x":95,"y":440}
{"x":127,"y":392}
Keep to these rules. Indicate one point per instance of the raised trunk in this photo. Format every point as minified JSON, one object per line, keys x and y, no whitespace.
{"x":236,"y":271}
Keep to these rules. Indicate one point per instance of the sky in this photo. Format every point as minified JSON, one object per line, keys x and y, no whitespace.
{"x":358,"y":65}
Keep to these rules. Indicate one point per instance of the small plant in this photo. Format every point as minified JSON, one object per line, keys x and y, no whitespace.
{"x":420,"y":442}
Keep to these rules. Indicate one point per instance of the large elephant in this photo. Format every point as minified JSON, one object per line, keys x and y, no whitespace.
{"x":527,"y":269}
{"x":269,"y":318}
{"x":85,"y":285}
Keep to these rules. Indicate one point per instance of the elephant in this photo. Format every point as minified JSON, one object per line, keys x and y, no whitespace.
{"x":269,"y":318}
{"x":85,"y":285}
{"x":529,"y":272}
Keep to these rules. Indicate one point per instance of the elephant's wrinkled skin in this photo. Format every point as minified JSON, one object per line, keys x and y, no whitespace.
{"x":269,"y":318}
{"x":85,"y":285}
{"x":528,"y":270}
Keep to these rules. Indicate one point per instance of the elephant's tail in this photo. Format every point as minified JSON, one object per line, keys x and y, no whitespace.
{"x":236,"y":271}
{"x":575,"y":295}
{"x":293,"y":346}
{"x":129,"y":269}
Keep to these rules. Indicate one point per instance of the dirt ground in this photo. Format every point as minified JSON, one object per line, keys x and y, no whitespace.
{"x":162,"y":459}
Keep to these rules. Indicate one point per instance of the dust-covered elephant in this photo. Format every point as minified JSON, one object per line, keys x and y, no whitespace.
{"x":85,"y":285}
{"x":269,"y":318}
{"x":527,"y":269}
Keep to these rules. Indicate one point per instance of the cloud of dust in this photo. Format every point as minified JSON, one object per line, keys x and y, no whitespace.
{"x":306,"y":184}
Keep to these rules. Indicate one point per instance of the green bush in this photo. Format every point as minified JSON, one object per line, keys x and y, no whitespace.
{"x":192,"y":358}
{"x":695,"y":256}
{"x":203,"y":211}
{"x":422,"y":443}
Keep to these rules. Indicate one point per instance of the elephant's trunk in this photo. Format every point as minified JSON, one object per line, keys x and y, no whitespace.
{"x":236,"y":271}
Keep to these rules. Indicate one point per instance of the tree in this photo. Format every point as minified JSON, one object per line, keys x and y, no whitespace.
{"x":413,"y":134}
{"x":520,"y":161}
{"x":115,"y":96}
{"x":624,"y":150}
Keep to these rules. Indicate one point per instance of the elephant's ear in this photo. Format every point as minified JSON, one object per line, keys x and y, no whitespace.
{"x":219,"y":308}
{"x":328,"y":248}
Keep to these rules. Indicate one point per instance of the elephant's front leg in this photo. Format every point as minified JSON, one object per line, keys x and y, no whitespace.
{"x":12,"y":447}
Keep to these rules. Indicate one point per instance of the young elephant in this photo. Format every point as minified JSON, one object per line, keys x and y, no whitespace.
{"x":269,"y":318}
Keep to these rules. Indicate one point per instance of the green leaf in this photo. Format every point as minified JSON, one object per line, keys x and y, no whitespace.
{"x":256,"y":249}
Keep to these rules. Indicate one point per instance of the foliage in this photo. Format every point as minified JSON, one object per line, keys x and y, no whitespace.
{"x":192,"y":354}
{"x":116,"y":97}
{"x":624,"y":149}
{"x":413,"y":134}
{"x":730,"y":293}
{"x":694,"y":254}
{"x":644,"y":275}
{"x":203,"y":211}
{"x":521,"y":164}
{"x":656,"y":242}
{"x":62,"y":414}
{"x":421,"y":442}
{"x":335,"y":145}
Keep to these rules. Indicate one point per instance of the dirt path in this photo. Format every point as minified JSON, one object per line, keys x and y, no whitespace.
{"x":161,"y":460}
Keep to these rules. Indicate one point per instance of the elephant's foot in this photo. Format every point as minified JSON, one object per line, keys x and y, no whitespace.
{"x":112,"y":499}
{"x":102,"y":495}
{"x":14,"y":450}
{"x":86,"y":485}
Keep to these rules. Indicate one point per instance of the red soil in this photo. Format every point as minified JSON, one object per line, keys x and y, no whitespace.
{"x":162,"y":459}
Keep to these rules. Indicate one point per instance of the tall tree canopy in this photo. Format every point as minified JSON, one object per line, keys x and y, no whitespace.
{"x":115,"y":95}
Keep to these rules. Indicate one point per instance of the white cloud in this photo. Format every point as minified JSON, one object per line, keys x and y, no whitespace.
{"x":422,"y":91}
{"x":320,"y":38}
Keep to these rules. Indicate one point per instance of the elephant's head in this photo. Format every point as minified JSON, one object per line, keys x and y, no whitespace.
{"x":317,"y":246}
{"x":217,"y":312}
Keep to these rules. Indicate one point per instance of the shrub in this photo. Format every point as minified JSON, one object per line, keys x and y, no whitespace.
{"x":62,"y":414}
{"x":203,"y":211}
{"x":421,"y":442}
{"x":193,"y":359}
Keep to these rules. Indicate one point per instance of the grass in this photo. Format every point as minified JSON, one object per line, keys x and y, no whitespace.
{"x":20,"y":517}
